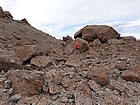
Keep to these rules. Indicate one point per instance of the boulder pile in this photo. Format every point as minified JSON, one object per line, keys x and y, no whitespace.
{"x":37,"y":69}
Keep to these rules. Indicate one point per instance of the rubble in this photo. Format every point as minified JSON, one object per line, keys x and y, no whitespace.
{"x":37,"y":69}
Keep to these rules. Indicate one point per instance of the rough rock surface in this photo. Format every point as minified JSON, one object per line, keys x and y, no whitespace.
{"x":27,"y":82}
{"x":92,"y":32}
{"x":37,"y":69}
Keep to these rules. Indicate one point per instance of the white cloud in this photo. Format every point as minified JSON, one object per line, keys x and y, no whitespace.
{"x":75,"y":13}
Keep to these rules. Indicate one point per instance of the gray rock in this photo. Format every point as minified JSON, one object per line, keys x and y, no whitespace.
{"x":15,"y":97}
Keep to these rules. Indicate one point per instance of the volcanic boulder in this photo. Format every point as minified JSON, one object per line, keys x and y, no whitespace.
{"x":27,"y":82}
{"x":99,"y":75}
{"x":132,"y":75}
{"x":83,"y":45}
{"x":92,"y":32}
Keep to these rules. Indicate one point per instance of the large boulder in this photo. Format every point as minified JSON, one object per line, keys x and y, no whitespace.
{"x":26,"y":82}
{"x":83,"y":45}
{"x":92,"y":32}
{"x":7,"y":62}
{"x":25,"y":52}
{"x":41,"y":61}
{"x":132,"y":75}
{"x":99,"y":75}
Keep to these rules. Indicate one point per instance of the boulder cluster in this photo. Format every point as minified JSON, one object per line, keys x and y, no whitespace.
{"x":37,"y":69}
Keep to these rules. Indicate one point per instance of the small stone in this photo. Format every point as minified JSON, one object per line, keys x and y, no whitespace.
{"x":64,"y":99}
{"x":69,"y":83}
{"x":7,"y":84}
{"x":15,"y":97}
{"x":54,"y":89}
{"x":94,"y":86}
{"x":45,"y":88}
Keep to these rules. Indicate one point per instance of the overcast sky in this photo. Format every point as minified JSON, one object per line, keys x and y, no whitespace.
{"x":64,"y":17}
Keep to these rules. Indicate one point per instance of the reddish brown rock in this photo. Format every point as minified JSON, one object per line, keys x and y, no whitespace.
{"x":92,"y":32}
{"x":83,"y":44}
{"x":99,"y":75}
{"x":132,"y":75}
{"x":25,"y":52}
{"x":41,"y":61}
{"x":27,"y":82}
{"x":72,"y":59}
{"x":68,"y":83}
{"x":83,"y":95}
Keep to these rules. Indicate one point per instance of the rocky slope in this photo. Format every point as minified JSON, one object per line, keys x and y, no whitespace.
{"x":37,"y":69}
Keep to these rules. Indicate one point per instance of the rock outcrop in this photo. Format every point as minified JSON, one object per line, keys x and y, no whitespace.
{"x":4,"y":14}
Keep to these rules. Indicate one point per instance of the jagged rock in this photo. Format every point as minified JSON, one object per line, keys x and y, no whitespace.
{"x":26,"y":52}
{"x":5,"y":14}
{"x":24,"y":21}
{"x":1,"y":13}
{"x":6,"y":63}
{"x":8,"y":14}
{"x":83,"y":95}
{"x":92,"y":32}
{"x":41,"y":61}
{"x":99,"y":75}
{"x":68,"y":39}
{"x":83,"y":45}
{"x":132,"y":75}
{"x":26,"y":82}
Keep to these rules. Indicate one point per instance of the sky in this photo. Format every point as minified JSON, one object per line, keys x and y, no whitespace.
{"x":64,"y":17}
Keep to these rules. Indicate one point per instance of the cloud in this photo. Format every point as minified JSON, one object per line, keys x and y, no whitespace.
{"x":64,"y":16}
